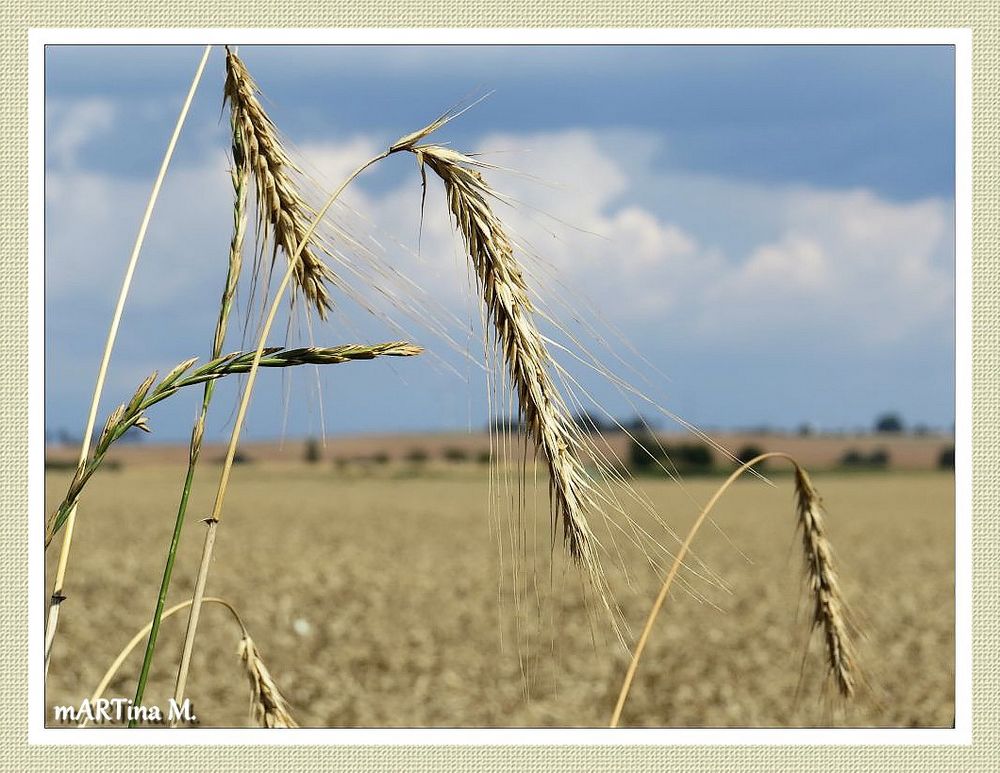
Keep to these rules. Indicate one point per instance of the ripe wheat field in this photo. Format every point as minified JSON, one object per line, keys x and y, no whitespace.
{"x":376,"y":602}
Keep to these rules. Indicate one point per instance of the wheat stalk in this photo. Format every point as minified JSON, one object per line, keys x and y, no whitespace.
{"x":132,"y":414}
{"x":509,"y":308}
{"x":240,"y":177}
{"x":57,"y":597}
{"x":267,"y":705}
{"x":256,"y":361}
{"x":830,"y":609}
{"x":282,"y":212}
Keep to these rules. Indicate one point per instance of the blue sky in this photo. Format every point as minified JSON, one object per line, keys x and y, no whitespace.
{"x":771,"y":228}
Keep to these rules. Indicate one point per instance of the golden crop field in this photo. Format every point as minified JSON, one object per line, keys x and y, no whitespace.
{"x":376,"y":601}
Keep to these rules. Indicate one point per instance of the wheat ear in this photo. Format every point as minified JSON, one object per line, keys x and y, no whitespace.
{"x":267,"y":705}
{"x":282,"y":212}
{"x":509,"y":309}
{"x":830,"y":610}
{"x":255,"y":668}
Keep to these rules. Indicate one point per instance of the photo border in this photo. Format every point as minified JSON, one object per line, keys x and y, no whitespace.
{"x":964,"y":370}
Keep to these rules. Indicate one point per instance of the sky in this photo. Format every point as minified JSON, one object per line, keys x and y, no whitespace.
{"x":742,"y":236}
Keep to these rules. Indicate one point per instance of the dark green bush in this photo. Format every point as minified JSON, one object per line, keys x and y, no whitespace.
{"x":852,"y":458}
{"x":879,"y":458}
{"x":454,"y":454}
{"x":748,"y":452}
{"x":417,"y":456}
{"x":687,"y":458}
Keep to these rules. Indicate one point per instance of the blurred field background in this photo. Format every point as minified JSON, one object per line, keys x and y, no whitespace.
{"x":370,"y":581}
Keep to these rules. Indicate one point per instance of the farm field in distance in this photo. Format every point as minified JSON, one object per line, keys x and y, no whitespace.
{"x":903,"y":451}
{"x":375,"y":599}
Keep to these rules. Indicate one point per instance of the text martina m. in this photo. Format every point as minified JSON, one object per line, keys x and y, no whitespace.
{"x":118,"y":710}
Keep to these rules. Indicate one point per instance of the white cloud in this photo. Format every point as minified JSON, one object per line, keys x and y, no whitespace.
{"x":71,"y":124}
{"x":872,"y":269}
{"x":796,"y":261}
{"x":331,"y":162}
{"x":844,"y":265}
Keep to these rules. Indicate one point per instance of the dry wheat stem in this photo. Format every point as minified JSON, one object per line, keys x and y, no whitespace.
{"x":262,"y":706}
{"x":282,"y":212}
{"x":213,"y":520}
{"x":240,"y":177}
{"x":58,"y":595}
{"x":830,"y":612}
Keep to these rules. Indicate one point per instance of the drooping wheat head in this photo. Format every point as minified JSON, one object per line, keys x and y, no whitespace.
{"x":282,"y":213}
{"x":268,"y":706}
{"x":509,"y":309}
{"x":829,"y":609}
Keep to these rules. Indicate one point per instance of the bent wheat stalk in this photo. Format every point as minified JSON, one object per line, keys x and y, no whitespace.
{"x":267,"y":705}
{"x":132,"y":414}
{"x":509,"y":308}
{"x":58,"y":596}
{"x":829,"y":610}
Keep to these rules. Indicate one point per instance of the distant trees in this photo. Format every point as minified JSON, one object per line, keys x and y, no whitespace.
{"x":889,"y":423}
{"x":639,"y":423}
{"x":455,"y":454}
{"x":748,"y":452}
{"x":417,"y":456}
{"x":876,"y":459}
{"x":592,"y":423}
{"x":645,"y":455}
{"x":589,"y":422}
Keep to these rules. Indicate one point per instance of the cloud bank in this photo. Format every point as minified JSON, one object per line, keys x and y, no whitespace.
{"x":679,"y":262}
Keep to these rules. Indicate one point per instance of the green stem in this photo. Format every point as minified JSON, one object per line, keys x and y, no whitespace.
{"x":168,"y":569}
{"x":239,"y":178}
{"x":213,"y":520}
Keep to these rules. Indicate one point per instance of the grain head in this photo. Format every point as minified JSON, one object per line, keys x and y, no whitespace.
{"x":509,"y":310}
{"x":829,"y":610}
{"x":267,"y":705}
{"x":282,"y":212}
